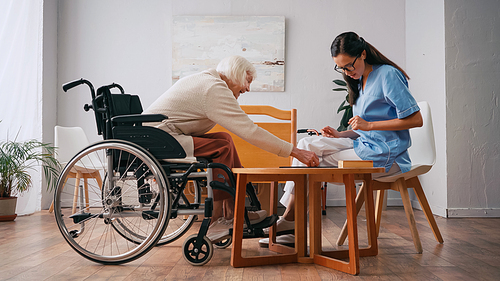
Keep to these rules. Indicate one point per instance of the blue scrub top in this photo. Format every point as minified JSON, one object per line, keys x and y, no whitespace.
{"x":386,"y":96}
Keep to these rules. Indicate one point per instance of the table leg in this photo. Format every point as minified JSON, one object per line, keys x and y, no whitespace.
{"x":274,"y":209}
{"x":314,"y":217}
{"x":360,"y":200}
{"x":236,"y":259}
{"x":239,"y":209}
{"x":372,"y":249}
{"x":352,"y":224}
{"x":331,"y":258}
{"x":301,"y":218}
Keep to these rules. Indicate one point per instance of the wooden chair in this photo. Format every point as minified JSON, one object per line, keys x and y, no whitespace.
{"x":69,"y":141}
{"x":423,"y":156}
{"x":254,"y":157}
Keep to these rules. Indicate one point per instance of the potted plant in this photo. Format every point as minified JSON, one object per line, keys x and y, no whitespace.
{"x":344,"y":106}
{"x":17,"y":159}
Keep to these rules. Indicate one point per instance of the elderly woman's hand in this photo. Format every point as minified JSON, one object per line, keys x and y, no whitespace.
{"x":307,"y":157}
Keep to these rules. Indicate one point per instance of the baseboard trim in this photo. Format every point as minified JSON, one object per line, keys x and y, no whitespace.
{"x":473,"y":212}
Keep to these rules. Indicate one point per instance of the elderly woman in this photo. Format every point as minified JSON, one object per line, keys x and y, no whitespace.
{"x":196,"y":103}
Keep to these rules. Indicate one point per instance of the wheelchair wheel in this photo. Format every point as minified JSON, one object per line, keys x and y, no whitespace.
{"x":179,"y":225}
{"x":120,"y":218}
{"x":197,"y":255}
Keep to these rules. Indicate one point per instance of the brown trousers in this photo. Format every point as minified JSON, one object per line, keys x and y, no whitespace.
{"x":218,"y":147}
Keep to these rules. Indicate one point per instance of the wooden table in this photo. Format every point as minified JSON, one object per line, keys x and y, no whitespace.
{"x":304,"y":178}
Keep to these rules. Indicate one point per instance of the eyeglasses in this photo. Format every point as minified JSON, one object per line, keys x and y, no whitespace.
{"x":349,"y":67}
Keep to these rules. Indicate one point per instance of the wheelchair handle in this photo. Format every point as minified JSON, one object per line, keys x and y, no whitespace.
{"x":309,"y":132}
{"x":75,"y":83}
{"x":114,"y":85}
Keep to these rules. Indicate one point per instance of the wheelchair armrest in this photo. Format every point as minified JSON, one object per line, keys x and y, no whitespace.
{"x":138,"y":118}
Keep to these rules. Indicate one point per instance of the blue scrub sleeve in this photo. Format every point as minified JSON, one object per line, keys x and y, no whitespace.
{"x":397,"y":94}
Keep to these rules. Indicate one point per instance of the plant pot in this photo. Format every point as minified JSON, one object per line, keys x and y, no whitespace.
{"x":8,"y":208}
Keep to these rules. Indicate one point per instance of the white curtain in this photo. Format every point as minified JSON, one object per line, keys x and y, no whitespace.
{"x":21,"y":28}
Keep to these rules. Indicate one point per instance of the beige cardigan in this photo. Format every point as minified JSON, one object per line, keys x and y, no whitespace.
{"x":196,"y":103}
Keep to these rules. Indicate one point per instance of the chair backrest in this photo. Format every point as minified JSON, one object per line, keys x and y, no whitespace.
{"x":69,"y":141}
{"x":254,"y":157}
{"x":423,"y":149}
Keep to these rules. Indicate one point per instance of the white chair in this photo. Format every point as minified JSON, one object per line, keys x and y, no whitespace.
{"x":68,"y":142}
{"x":423,"y":156}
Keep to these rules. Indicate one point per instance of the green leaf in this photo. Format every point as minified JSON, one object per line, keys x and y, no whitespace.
{"x":349,"y":113}
{"x":342,"y":128}
{"x":339,"y":89}
{"x":340,"y":82}
{"x":345,"y":119}
{"x":341,"y":106}
{"x":347,"y":107}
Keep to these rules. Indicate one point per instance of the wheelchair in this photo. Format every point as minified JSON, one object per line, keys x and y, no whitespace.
{"x":138,"y":200}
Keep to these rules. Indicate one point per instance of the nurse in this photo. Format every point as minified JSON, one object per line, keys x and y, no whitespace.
{"x":383,"y":110}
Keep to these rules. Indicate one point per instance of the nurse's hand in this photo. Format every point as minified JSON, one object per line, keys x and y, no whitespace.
{"x":307,"y":157}
{"x":330,"y":132}
{"x":358,"y":123}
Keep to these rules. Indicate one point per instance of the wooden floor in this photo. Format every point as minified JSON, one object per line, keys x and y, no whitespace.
{"x":31,"y":248}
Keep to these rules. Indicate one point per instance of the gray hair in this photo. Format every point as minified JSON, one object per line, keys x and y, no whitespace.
{"x":236,"y":69}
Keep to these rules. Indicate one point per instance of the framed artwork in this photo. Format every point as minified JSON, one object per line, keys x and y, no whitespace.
{"x":200,"y":42}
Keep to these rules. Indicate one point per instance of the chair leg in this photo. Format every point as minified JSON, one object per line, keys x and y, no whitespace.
{"x":75,"y":194}
{"x":51,"y":208}
{"x":86,"y":189}
{"x":97,"y":176}
{"x":360,"y":200}
{"x":403,"y":190}
{"x":415,"y":183}
{"x":379,"y":206}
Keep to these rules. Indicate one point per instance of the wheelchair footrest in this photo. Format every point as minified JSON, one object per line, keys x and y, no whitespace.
{"x":267,"y":222}
{"x":255,"y":231}
{"x":77,"y":218}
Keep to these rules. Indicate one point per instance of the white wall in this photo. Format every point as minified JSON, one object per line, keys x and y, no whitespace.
{"x":425,"y":57}
{"x":129,"y":42}
{"x":472,"y":107}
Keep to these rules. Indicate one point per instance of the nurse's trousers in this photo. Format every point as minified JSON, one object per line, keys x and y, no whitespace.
{"x":329,"y":152}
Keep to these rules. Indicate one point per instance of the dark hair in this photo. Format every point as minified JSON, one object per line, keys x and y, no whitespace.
{"x":351,"y":44}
